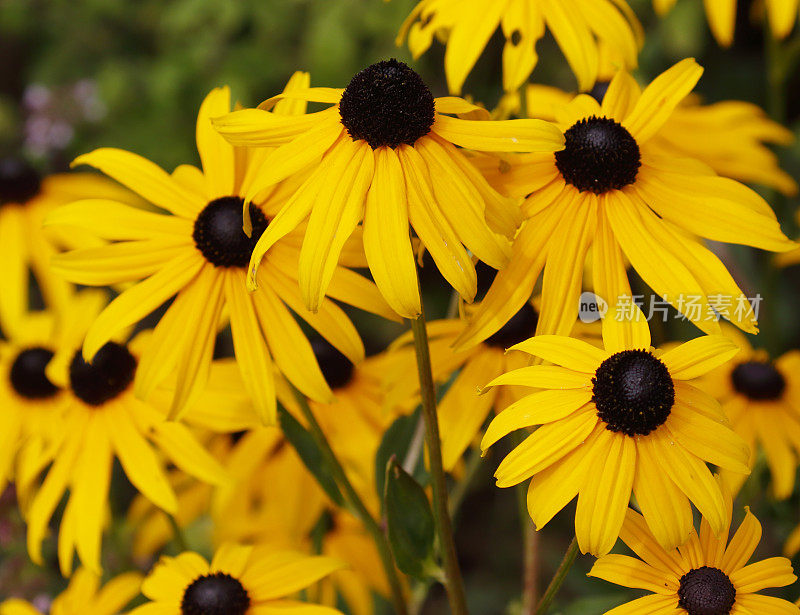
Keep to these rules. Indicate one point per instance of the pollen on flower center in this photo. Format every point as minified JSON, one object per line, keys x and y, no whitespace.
{"x":521,"y":326}
{"x":337,"y":368}
{"x":19,"y":182}
{"x":758,"y":380}
{"x":218,"y":232}
{"x":215,"y":594}
{"x":108,"y":375}
{"x":599,"y":155}
{"x":387,"y":104}
{"x":633,"y":392}
{"x":706,"y":591}
{"x":27,"y":374}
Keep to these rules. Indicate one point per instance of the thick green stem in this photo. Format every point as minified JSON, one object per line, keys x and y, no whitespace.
{"x":558,"y":578}
{"x":453,"y":581}
{"x":356,"y":504}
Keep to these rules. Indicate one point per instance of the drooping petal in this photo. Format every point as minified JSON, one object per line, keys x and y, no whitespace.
{"x":386,"y":239}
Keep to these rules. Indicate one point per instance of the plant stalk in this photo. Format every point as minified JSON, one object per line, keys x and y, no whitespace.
{"x":453,"y":580}
{"x":558,"y":578}
{"x":356,"y":504}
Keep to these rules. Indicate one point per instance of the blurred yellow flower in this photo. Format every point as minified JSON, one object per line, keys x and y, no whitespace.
{"x":581,"y":28}
{"x":761,"y":397}
{"x":84,"y":595}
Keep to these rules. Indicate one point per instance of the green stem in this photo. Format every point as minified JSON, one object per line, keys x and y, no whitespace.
{"x":558,"y":578}
{"x":453,"y":581}
{"x":356,"y":504}
{"x":177,"y":534}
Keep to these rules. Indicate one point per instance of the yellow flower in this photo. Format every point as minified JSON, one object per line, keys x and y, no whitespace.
{"x":616,"y":190}
{"x":198,"y":254}
{"x":761,"y":397}
{"x":379,"y":156}
{"x":84,"y":595}
{"x":707,"y":575}
{"x":240,"y":580}
{"x":32,"y":418}
{"x":729,"y":136}
{"x":614,"y":421}
{"x":781,"y":15}
{"x":103,"y":420}
{"x":25,"y":199}
{"x":579,"y":27}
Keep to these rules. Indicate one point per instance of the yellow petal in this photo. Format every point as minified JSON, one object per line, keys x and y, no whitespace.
{"x":542,"y":377}
{"x":433,"y":228}
{"x":138,"y":460}
{"x":699,"y":356}
{"x":603,"y":499}
{"x":250,"y":349}
{"x":660,"y":98}
{"x":708,"y":439}
{"x":575,"y":39}
{"x":568,"y":352}
{"x":339,"y":208}
{"x":772,"y":572}
{"x":500,"y":136}
{"x":258,"y":128}
{"x":278,"y":574}
{"x":139,"y":300}
{"x":194,"y":362}
{"x":386,"y":240}
{"x":636,"y":534}
{"x":144,"y":178}
{"x":535,"y":409}
{"x":181,"y":446}
{"x":545,"y":447}
{"x":722,"y":19}
{"x":631,"y":572}
{"x":216,"y":154}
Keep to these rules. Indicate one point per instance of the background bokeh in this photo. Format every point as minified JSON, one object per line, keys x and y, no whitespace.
{"x":79,"y":74}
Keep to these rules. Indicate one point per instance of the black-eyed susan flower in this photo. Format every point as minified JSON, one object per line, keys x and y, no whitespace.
{"x":84,"y":595}
{"x":240,"y":580}
{"x":385,"y":155}
{"x":730,"y":136}
{"x":103,"y":421}
{"x":579,"y":27}
{"x":761,"y":397}
{"x":31,"y":421}
{"x":25,"y":248}
{"x":721,"y":14}
{"x":618,"y":420}
{"x":197,"y":253}
{"x":616,"y":190}
{"x":706,"y":576}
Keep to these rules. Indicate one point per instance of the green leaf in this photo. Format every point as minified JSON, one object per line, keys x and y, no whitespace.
{"x":395,"y":443}
{"x":303,"y":442}
{"x":409,"y":522}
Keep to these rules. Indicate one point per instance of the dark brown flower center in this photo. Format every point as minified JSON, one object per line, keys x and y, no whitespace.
{"x":218,"y":232}
{"x":27,"y":374}
{"x":215,"y":594}
{"x":758,"y":380}
{"x":387,"y":104}
{"x":19,"y":181}
{"x":633,"y":392}
{"x":706,"y":591}
{"x":599,"y":155}
{"x":108,"y":375}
